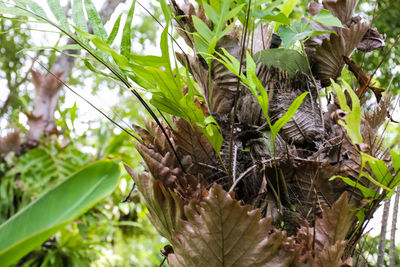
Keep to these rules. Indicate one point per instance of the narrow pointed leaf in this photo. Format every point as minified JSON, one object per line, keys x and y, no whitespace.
{"x":126,"y":33}
{"x":37,"y":9}
{"x":78,"y":16}
{"x":114,"y":30}
{"x":353,"y":119}
{"x":59,"y":14}
{"x":95,"y":20}
{"x":288,"y":7}
{"x":289,"y":114}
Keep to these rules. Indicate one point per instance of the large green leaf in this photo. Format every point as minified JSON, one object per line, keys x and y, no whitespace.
{"x":278,"y":58}
{"x":327,"y":18}
{"x":55,"y":209}
{"x":297,"y":31}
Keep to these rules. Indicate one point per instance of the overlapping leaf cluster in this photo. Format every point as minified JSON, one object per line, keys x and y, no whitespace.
{"x":253,"y":134}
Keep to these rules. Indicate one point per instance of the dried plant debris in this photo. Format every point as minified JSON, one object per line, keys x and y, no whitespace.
{"x":220,"y":232}
{"x":372,"y":40}
{"x":11,"y":142}
{"x":197,"y":154}
{"x":342,"y":9}
{"x":375,"y":117}
{"x":165,"y":208}
{"x":326,"y":51}
{"x":327,"y":61}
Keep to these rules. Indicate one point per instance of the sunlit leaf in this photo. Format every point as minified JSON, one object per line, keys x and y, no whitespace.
{"x":114,"y":30}
{"x":59,"y":13}
{"x":367,"y":192}
{"x":288,"y":7}
{"x":95,"y":20}
{"x":126,"y":33}
{"x":297,"y":31}
{"x":353,"y":118}
{"x":325,"y":17}
{"x":78,"y":16}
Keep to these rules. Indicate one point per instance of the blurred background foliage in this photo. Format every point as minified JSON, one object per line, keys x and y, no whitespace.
{"x":113,"y":233}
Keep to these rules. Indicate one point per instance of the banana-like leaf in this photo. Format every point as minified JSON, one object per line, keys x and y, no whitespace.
{"x":55,"y":209}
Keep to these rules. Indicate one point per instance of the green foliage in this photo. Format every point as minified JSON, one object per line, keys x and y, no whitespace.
{"x":36,"y":171}
{"x":165,"y":87}
{"x":105,"y":228}
{"x":297,"y":31}
{"x":95,"y":20}
{"x":383,"y":177}
{"x":325,"y":17}
{"x":288,"y":7}
{"x":353,"y":118}
{"x":59,"y":13}
{"x":29,"y":228}
{"x":206,"y":39}
{"x":367,"y":252}
{"x":126,"y":33}
{"x":387,"y":22}
{"x":278,"y":58}
{"x":156,"y":76}
{"x":13,"y":38}
{"x":257,"y":89}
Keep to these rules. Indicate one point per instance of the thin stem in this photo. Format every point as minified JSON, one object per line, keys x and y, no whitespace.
{"x":315,"y":83}
{"x":231,"y":141}
{"x":385,"y":55}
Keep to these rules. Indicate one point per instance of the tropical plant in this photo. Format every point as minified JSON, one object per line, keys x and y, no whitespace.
{"x":244,"y":167}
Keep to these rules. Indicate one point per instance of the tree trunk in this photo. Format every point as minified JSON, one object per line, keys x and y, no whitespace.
{"x":382,"y":238}
{"x":47,"y":87}
{"x":392,"y":251}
